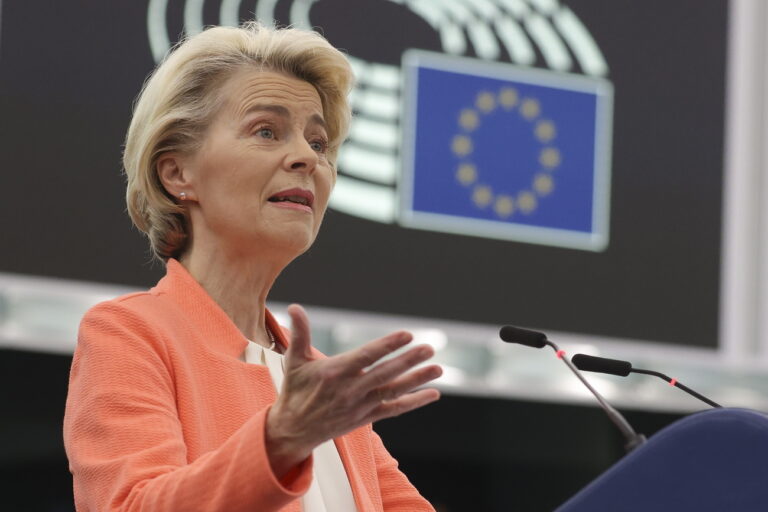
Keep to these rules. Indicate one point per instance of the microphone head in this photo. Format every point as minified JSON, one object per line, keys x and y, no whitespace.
{"x":512,"y":334}
{"x":601,"y":365}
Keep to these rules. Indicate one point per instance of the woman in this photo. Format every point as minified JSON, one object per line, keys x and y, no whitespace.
{"x":190,"y":396}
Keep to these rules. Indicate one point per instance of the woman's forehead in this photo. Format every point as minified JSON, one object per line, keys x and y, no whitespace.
{"x":254,"y":88}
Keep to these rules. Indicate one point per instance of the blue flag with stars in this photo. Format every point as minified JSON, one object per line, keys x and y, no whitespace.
{"x":494,"y":150}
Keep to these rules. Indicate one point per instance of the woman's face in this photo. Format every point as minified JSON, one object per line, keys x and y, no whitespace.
{"x":261,"y":178}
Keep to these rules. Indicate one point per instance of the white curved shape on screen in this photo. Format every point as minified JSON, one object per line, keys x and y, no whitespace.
{"x":384,"y":76}
{"x":484,"y":8}
{"x":518,"y":8}
{"x":193,"y":17}
{"x":551,"y":46}
{"x":380,"y":76}
{"x":483,"y":40}
{"x":381,"y":104}
{"x":299,"y":14}
{"x":229,"y":13}
{"x":516,"y":42}
{"x":430,"y":10}
{"x":368,"y":165}
{"x":156,"y":31}
{"x":457,"y":10}
{"x":358,"y":66}
{"x":372,"y":202}
{"x":375,"y":133}
{"x":265,"y":11}
{"x":547,"y":7}
{"x":452,"y":39}
{"x":581,"y":42}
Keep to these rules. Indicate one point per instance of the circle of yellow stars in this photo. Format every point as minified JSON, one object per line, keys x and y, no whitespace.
{"x":542,"y":184}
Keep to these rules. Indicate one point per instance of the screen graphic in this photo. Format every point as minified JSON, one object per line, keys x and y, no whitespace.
{"x":505,"y":152}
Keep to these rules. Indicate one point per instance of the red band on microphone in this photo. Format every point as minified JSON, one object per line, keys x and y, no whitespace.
{"x":673,"y":382}
{"x":560,"y":354}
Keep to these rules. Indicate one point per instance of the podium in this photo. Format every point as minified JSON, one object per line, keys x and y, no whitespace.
{"x":712,"y":461}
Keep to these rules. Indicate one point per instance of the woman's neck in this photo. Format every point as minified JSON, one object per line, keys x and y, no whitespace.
{"x":239,"y":285}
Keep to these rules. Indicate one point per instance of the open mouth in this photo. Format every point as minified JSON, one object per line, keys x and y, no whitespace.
{"x":296,"y":196}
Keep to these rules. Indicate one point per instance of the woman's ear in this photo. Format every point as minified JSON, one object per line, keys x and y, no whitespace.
{"x":175,"y":177}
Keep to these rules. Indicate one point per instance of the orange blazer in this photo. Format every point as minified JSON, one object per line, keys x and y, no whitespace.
{"x":163,"y":416}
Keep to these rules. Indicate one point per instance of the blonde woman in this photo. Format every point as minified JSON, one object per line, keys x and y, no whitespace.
{"x":189,"y":396}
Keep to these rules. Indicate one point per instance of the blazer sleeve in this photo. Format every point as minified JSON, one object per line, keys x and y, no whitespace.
{"x":397,"y":492}
{"x":124,"y":440}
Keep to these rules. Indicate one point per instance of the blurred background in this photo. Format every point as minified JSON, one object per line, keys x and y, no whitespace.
{"x":669,"y":271}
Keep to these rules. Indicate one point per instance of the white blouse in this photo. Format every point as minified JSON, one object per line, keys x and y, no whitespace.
{"x":330,"y":490}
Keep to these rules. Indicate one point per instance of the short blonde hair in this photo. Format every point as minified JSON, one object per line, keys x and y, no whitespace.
{"x":180,"y":98}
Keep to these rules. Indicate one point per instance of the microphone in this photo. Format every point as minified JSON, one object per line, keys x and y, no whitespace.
{"x":536,"y":339}
{"x":602,"y":365}
{"x":512,"y":334}
{"x":624,"y":368}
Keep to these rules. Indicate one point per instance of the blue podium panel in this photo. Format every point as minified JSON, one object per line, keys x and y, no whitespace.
{"x":506,"y":152}
{"x":713,"y":461}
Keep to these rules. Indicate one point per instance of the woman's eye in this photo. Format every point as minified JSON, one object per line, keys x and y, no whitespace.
{"x":320,"y":146}
{"x":266,"y":133}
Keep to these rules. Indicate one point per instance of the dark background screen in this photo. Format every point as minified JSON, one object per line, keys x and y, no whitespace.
{"x":69,"y":72}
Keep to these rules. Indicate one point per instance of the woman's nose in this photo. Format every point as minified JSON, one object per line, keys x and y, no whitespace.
{"x":301,"y":156}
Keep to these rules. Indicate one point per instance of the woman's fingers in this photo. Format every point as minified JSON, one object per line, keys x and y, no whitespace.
{"x":301,"y":340}
{"x":404,"y":384}
{"x":405,"y":403}
{"x":384,"y":372}
{"x":354,"y":361}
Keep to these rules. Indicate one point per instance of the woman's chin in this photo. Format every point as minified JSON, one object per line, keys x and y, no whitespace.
{"x":286,"y":244}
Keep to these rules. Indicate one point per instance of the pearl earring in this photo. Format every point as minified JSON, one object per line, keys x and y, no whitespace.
{"x":183,"y":196}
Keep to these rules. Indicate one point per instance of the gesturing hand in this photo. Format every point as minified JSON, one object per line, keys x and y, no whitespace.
{"x":322,"y":399}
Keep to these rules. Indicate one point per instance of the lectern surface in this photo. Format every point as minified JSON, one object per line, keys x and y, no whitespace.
{"x":715,"y":461}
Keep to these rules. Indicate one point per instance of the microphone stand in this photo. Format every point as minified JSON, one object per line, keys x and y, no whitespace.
{"x":677,"y":384}
{"x":633,"y":438}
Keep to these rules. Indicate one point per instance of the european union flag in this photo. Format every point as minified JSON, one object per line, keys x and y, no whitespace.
{"x":494,"y":150}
